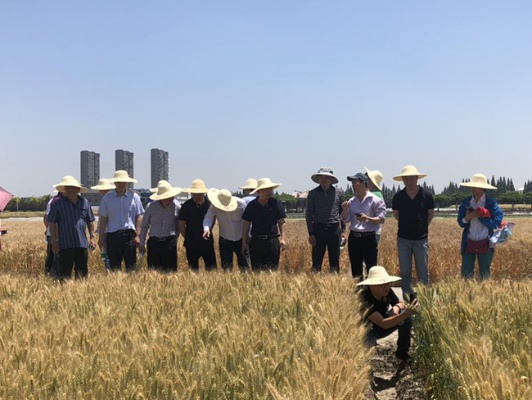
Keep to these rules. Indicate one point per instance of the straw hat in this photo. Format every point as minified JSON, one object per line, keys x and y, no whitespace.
{"x":324,"y":172}
{"x":222,"y":199}
{"x":375,"y":177}
{"x":122,"y":176}
{"x":251,"y":184}
{"x":478,"y":181}
{"x":104,"y":184}
{"x":154,"y":190}
{"x":165,"y":191}
{"x":409,"y":170}
{"x":378,"y":275}
{"x":69,"y":180}
{"x":265,"y":183}
{"x":198,"y":186}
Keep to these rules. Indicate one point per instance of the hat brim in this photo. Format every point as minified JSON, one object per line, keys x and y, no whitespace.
{"x":272,"y":185}
{"x":316,"y":178}
{"x":372,"y":178}
{"x":196,"y":190}
{"x":103,"y":187}
{"x":212,"y":194}
{"x":171,"y":193}
{"x":399,"y":178}
{"x":477,"y":185}
{"x":247,"y":187}
{"x":61,"y":188}
{"x":124,"y":180}
{"x":379,"y":281}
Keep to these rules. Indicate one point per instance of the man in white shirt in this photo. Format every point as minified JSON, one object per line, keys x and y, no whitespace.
{"x":228,"y":210}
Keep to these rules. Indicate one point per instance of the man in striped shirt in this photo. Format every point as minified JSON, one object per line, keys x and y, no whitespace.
{"x":69,"y":218}
{"x":325,"y":227}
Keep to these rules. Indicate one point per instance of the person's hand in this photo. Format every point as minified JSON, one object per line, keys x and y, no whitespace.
{"x":411,"y":308}
{"x":345,"y":205}
{"x":92,"y":244}
{"x":362,"y":217}
{"x":282,"y":244}
{"x":245,"y":249}
{"x":312,"y":240}
{"x":206,"y":234}
{"x":142,"y":249}
{"x":136,"y":241}
{"x":101,"y":242}
{"x":55,"y":247}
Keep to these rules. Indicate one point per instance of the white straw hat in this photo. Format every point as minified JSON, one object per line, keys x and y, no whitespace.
{"x":198,"y":186}
{"x":165,"y":191}
{"x":409,"y":170}
{"x":378,"y":275}
{"x":69,"y":180}
{"x":251,"y":184}
{"x":222,"y":199}
{"x":478,"y":181}
{"x":122,"y":176}
{"x":324,"y":172}
{"x":154,"y":190}
{"x":104,"y":184}
{"x":375,"y":176}
{"x":265,"y":183}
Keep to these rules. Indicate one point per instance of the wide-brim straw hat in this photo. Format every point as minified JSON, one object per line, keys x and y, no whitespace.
{"x":165,"y":191}
{"x":478,"y":181}
{"x":251,"y":184}
{"x":69,"y":180}
{"x":154,"y":190}
{"x":222,"y":199}
{"x":122,"y":176}
{"x":378,"y":275}
{"x":375,"y":176}
{"x":103,"y":184}
{"x":409,"y":170}
{"x":198,"y":186}
{"x":265,"y":183}
{"x":324,"y":172}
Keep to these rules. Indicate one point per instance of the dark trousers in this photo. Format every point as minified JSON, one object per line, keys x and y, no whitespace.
{"x":328,"y":237}
{"x":207,"y":253}
{"x":404,"y":331}
{"x":49,"y":262}
{"x":121,"y":246}
{"x":78,"y":258}
{"x":264,"y":253}
{"x":162,"y":254}
{"x":361,"y":250}
{"x":227,"y":249}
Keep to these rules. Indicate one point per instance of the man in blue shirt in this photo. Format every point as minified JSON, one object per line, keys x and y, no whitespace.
{"x":266,"y":216}
{"x":120,"y":223}
{"x":69,"y":218}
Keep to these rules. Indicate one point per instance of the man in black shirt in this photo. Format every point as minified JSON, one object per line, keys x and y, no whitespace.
{"x":413,"y":208}
{"x":191,"y":227}
{"x":266,"y":216}
{"x":382,"y":308}
{"x":325,"y":228}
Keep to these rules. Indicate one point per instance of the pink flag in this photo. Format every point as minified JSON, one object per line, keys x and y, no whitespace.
{"x":5,"y":196}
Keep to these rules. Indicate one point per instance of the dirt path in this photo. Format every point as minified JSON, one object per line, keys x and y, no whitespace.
{"x":391,"y":378}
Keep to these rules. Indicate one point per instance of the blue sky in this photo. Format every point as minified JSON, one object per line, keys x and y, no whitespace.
{"x":240,"y":89}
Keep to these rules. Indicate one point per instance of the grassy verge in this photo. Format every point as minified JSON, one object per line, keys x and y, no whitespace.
{"x":475,"y":340}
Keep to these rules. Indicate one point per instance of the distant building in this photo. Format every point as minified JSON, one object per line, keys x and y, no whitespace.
{"x":90,"y":168}
{"x":159,"y":166}
{"x":124,"y":161}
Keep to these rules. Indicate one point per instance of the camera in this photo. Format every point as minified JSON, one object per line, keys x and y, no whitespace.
{"x":3,"y":232}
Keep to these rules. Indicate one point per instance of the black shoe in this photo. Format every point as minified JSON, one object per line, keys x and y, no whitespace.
{"x":404,"y":357}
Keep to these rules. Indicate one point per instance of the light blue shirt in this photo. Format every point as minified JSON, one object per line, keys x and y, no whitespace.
{"x":372,"y":206}
{"x":121,"y":211}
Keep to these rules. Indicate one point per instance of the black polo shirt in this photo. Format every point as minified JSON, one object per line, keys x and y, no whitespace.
{"x":264,"y":218}
{"x":413,"y":214}
{"x":193,"y":215}
{"x":370,"y":304}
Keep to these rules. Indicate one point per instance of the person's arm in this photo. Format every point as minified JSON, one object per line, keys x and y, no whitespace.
{"x":282,"y":239}
{"x":54,"y":237}
{"x":145,"y":224}
{"x":345,"y":211}
{"x":494,"y":221}
{"x":430,"y":216}
{"x":182,"y":228}
{"x":208,"y":222}
{"x":395,"y":215}
{"x":245,"y":236}
{"x":394,"y":319}
{"x":92,"y":234}
{"x":102,"y":224}
{"x":138,"y":223}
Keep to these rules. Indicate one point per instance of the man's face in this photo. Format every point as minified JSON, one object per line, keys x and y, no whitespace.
{"x":325,"y":181}
{"x":198,"y":197}
{"x":72,"y":191}
{"x":477,"y":192}
{"x":166,"y":202}
{"x":266,"y":193}
{"x":359,"y":186}
{"x":121,"y":186}
{"x":410,"y":181}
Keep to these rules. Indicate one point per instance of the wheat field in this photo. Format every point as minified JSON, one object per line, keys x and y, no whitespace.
{"x":286,"y":335}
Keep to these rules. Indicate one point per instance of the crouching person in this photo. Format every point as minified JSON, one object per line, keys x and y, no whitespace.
{"x":384,"y":312}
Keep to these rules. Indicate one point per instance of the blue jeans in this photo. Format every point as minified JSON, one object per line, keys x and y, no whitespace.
{"x":484,"y":265}
{"x":420,"y":250}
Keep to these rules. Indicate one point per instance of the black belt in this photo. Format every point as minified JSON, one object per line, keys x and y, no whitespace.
{"x":163,"y":239}
{"x":122,"y":232}
{"x":265,"y":237}
{"x":361,"y":234}
{"x":329,"y":225}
